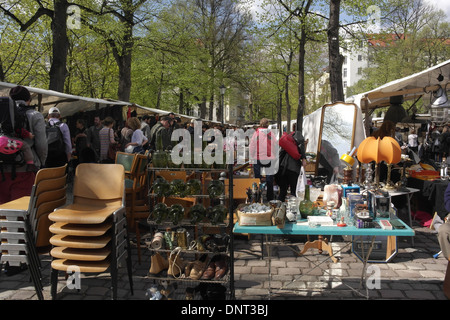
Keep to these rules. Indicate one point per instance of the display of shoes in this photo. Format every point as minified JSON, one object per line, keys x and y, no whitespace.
{"x":194,"y":269}
{"x":217,"y":268}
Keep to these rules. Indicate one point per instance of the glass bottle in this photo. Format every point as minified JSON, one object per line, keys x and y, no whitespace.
{"x":306,"y":206}
{"x":444,"y":169}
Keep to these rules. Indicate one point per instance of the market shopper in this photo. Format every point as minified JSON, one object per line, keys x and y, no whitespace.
{"x":413,"y":142}
{"x":442,"y":225}
{"x":93,"y":136}
{"x":289,"y":168}
{"x":107,"y":137}
{"x":260,"y":149}
{"x":21,"y":185}
{"x":138,"y":139}
{"x":60,"y":155}
{"x":161,"y":129}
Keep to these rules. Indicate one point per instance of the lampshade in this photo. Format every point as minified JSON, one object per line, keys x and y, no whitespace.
{"x":440,"y":99}
{"x":440,"y":106}
{"x":376,"y":149}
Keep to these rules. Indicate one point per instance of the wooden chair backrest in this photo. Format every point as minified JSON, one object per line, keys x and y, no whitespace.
{"x":49,"y":206}
{"x":50,"y":173}
{"x":50,"y":196}
{"x":99,"y":181}
{"x":240,"y":186}
{"x":128,"y":160}
{"x":51,"y":184}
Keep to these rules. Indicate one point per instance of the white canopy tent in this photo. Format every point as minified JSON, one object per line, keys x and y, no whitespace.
{"x":421,"y":84}
{"x":70,"y":104}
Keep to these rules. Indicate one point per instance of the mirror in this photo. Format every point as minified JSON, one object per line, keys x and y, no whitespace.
{"x":336,"y":136}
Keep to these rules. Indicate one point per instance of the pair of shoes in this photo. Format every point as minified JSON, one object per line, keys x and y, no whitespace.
{"x":194,"y":270}
{"x":216,"y":269}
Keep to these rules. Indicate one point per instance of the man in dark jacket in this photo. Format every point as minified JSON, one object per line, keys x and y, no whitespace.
{"x":289,"y":168}
{"x":161,"y":130}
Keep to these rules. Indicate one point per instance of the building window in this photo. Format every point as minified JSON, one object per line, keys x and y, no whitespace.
{"x":359,"y":57}
{"x":345,"y":60}
{"x":345,"y":84}
{"x":359,"y":70}
{"x":345,"y":73}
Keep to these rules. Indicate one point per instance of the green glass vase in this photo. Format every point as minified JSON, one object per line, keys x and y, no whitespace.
{"x":306,"y":206}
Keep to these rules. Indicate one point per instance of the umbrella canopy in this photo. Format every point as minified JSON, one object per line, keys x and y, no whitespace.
{"x":376,"y":149}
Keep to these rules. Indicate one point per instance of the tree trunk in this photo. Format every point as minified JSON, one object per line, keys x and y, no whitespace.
{"x":335,"y":58}
{"x":58,"y":69}
{"x":301,"y":71}
{"x":301,"y":81}
{"x":181,"y":103}
{"x":124,"y":89}
{"x":279,"y":109}
{"x":2,"y":72}
{"x":288,"y":105}
{"x":203,"y":109}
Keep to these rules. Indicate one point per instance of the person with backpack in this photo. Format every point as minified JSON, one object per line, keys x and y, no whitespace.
{"x":16,"y":180}
{"x":58,"y":140}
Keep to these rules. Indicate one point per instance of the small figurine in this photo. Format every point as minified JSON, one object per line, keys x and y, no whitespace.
{"x":342,"y":223}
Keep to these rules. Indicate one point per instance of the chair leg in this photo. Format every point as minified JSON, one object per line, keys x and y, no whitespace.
{"x":129,"y":264}
{"x":138,"y":239}
{"x":54,"y":283}
{"x":34,"y":275}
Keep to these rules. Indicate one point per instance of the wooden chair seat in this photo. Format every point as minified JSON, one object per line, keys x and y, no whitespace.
{"x":18,"y":204}
{"x":80,"y":254}
{"x":60,"y":240}
{"x":80,"y":230}
{"x":84,"y":266}
{"x":82,"y":214}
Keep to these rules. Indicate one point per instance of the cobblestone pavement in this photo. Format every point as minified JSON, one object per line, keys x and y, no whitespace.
{"x":413,"y":274}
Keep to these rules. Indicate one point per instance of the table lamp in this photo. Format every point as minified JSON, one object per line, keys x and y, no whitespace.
{"x":349,"y":161}
{"x":374,"y":149}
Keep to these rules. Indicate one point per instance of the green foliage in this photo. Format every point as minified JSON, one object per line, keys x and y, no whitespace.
{"x":187,"y":49}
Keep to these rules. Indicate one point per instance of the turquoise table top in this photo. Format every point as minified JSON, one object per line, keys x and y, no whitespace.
{"x":304,"y":229}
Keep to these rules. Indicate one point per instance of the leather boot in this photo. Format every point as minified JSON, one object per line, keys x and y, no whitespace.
{"x":157,"y":263}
